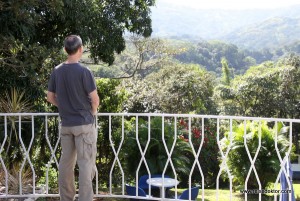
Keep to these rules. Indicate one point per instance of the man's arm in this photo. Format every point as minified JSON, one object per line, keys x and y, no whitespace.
{"x":94,"y":101}
{"x":51,"y":97}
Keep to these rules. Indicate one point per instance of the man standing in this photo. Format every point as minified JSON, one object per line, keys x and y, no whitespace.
{"x":73,"y":90}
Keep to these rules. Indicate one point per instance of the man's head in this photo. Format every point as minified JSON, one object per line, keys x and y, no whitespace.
{"x":72,"y":44}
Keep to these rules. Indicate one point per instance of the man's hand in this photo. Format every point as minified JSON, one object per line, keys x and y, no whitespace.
{"x":51,"y":97}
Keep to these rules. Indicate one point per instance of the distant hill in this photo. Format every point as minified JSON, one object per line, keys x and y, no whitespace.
{"x":255,"y":28}
{"x":270,"y":33}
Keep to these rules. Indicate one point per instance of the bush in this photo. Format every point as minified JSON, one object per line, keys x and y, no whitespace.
{"x":52,"y":174}
{"x":266,"y":164}
{"x":155,"y":155}
{"x":111,"y":97}
{"x":208,"y":157}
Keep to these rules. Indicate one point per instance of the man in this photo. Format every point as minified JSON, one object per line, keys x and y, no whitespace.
{"x":73,"y":90}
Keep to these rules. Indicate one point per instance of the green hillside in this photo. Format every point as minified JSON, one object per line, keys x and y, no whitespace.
{"x":270,"y":33}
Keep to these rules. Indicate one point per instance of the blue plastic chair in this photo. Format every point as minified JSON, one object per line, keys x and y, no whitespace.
{"x":185,"y":194}
{"x":131,"y":190}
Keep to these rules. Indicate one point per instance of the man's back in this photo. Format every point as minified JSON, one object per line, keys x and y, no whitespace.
{"x":72,"y":83}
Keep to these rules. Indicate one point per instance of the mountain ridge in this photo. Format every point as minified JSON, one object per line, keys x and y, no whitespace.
{"x":216,"y":24}
{"x":271,"y":33}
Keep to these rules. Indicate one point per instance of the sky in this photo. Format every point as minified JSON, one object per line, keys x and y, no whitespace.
{"x":234,"y":4}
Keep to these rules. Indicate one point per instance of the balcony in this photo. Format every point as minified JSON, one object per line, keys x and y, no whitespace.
{"x":196,"y":150}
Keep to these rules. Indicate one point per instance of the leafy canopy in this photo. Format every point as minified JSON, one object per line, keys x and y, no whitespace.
{"x":32,"y":34}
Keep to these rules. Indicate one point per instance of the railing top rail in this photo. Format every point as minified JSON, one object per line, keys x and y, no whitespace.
{"x":164,"y":115}
{"x":29,"y":114}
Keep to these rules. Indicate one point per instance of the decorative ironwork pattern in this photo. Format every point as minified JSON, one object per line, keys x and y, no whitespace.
{"x":53,"y":147}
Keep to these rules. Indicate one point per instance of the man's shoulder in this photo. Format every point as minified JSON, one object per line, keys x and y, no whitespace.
{"x":76,"y":65}
{"x":59,"y":66}
{"x":85,"y":68}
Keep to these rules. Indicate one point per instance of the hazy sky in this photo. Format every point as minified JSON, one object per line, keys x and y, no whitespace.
{"x":234,"y":4}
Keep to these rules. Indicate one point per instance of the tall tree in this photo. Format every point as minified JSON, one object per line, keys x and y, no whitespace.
{"x":141,"y":57}
{"x":225,"y":72}
{"x":175,"y":88}
{"x":32,"y":33}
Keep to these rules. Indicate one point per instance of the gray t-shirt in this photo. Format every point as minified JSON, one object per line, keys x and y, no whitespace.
{"x":72,"y":84}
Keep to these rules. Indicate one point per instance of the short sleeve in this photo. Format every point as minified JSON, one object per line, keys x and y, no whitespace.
{"x":51,"y":83}
{"x":89,"y":81}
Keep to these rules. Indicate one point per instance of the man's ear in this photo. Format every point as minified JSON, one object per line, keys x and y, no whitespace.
{"x":81,"y":49}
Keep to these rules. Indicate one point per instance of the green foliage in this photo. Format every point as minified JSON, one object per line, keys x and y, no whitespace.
{"x":27,"y":67}
{"x":111,"y":95}
{"x":14,"y":102}
{"x":32,"y":35}
{"x":210,"y":53}
{"x":52,"y":175}
{"x":100,"y":23}
{"x":265,"y":90}
{"x":141,"y":57}
{"x":173,"y":89}
{"x":272,"y":32}
{"x":111,"y":100}
{"x":225,"y":72}
{"x":202,"y":137}
{"x":156,"y":155}
{"x":266,"y":164}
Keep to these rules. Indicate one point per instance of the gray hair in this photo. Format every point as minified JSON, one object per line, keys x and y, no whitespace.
{"x":72,"y":43}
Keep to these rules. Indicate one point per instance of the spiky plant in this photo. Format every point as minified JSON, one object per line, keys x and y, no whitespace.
{"x":13,"y":181}
{"x":14,"y":102}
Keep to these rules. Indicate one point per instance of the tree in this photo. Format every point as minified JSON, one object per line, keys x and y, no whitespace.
{"x":267,"y":90}
{"x":100,"y":23}
{"x":141,"y":57}
{"x":225,"y":72}
{"x":32,"y":34}
{"x":177,"y":88}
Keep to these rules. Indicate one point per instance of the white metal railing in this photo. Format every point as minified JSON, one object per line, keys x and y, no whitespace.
{"x":15,"y":122}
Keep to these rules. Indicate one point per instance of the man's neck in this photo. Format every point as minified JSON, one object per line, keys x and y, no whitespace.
{"x":72,"y":59}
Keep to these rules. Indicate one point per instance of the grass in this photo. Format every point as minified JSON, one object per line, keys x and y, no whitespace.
{"x":224,"y":195}
{"x":209,"y":195}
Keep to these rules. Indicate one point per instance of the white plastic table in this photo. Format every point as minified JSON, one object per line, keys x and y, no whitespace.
{"x":162,"y":183}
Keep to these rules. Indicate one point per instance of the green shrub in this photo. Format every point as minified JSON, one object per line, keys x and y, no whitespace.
{"x":52,"y":178}
{"x":156,"y":156}
{"x":208,"y":156}
{"x":266,"y":164}
{"x":111,"y":97}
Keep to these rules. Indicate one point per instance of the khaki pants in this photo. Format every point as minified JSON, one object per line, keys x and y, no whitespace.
{"x":80,"y":142}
